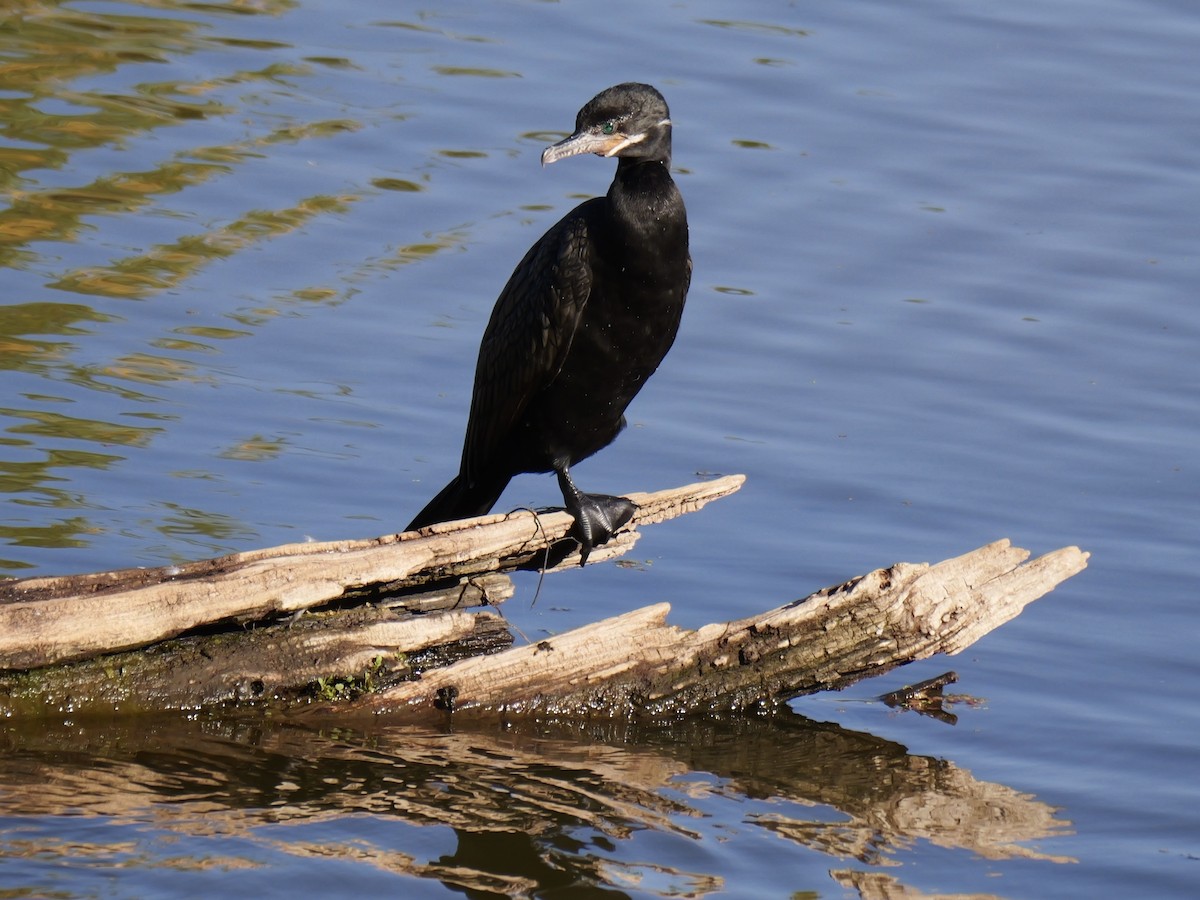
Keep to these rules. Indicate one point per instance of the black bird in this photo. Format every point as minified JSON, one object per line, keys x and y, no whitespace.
{"x":583,"y":322}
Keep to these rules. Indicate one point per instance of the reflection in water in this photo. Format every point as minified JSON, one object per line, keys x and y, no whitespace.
{"x":127,"y":133}
{"x":531,"y":808}
{"x":55,"y":424}
{"x":167,"y":265}
{"x":48,"y":48}
{"x":65,"y":93}
{"x":20,"y":321}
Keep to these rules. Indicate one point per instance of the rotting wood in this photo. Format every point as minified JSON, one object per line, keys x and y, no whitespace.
{"x":47,"y":621}
{"x":630,"y":665}
{"x":325,"y":655}
{"x":636,"y":664}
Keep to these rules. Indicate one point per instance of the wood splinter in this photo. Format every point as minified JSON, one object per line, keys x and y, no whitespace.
{"x":924,"y":697}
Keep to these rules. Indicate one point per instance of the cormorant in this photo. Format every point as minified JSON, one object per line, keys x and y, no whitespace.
{"x":583,"y":322}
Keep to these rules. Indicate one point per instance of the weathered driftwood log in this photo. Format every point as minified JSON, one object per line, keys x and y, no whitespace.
{"x":46,"y":621}
{"x":636,"y":664}
{"x":328,"y":656}
{"x":187,"y":617}
{"x":239,"y":642}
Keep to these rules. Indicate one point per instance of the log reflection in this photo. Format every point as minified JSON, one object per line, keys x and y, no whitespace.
{"x":531,"y":808}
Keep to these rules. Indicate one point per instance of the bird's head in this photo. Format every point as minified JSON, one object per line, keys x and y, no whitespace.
{"x":628,"y":120}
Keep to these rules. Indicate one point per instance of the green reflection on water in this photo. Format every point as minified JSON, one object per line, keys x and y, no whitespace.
{"x":57,"y":425}
{"x":167,"y":265}
{"x":182,"y":521}
{"x":20,"y":351}
{"x":63,"y":534}
{"x":28,"y":477}
{"x":112,"y":119}
{"x":72,"y":83}
{"x":255,"y":449}
{"x":48,"y":49}
{"x":475,"y":72}
{"x":43,"y":483}
{"x":760,"y":27}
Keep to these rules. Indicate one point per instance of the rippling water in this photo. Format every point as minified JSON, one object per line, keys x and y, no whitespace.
{"x":944,"y":292}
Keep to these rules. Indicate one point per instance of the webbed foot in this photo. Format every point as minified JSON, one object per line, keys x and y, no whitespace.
{"x":597,"y":516}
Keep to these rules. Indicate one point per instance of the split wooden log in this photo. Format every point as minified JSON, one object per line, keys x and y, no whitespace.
{"x":636,"y":664}
{"x":329,"y":656}
{"x":48,"y":621}
{"x":189,"y":619}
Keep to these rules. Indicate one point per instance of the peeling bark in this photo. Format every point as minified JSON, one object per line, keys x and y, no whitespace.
{"x":636,"y":664}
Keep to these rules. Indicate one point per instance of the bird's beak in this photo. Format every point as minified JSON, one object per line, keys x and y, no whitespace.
{"x":588,"y":142}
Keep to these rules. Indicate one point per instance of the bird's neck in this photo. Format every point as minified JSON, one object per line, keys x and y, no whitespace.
{"x":644,"y":200}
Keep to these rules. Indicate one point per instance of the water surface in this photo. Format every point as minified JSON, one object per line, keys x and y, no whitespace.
{"x":944,"y":293}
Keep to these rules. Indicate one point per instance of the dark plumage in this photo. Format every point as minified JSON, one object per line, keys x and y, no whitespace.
{"x":583,"y":322}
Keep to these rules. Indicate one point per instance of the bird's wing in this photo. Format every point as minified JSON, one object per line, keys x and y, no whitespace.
{"x":528,"y":336}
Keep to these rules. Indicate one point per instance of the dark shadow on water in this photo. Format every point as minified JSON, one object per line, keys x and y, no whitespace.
{"x":530,"y":810}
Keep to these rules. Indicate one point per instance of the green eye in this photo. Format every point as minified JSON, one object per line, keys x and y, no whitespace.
{"x":608,"y":127}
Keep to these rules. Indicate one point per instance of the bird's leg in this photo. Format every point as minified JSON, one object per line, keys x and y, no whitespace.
{"x":597,"y":516}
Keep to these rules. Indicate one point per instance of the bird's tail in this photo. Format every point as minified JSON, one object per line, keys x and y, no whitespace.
{"x":460,"y":499}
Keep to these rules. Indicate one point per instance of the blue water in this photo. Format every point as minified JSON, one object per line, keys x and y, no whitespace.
{"x":944,"y":292}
